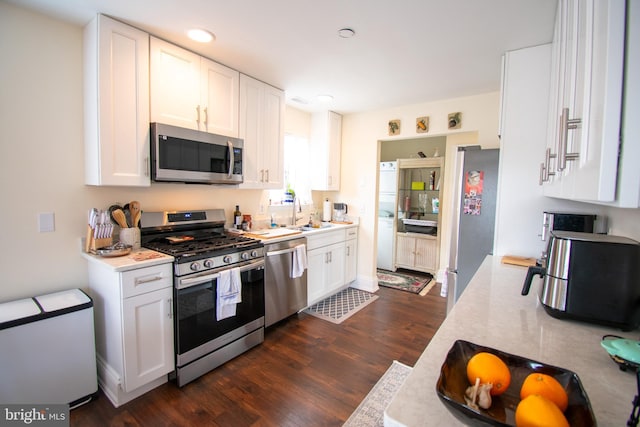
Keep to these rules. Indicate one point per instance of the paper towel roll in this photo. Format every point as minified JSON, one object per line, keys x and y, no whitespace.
{"x":326,"y":210}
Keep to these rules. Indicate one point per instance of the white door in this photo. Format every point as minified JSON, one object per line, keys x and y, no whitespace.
{"x":148,"y":337}
{"x":219,"y":99}
{"x":175,"y":85}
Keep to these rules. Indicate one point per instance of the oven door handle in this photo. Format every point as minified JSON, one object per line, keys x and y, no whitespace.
{"x":185,"y":283}
{"x":192,"y":281}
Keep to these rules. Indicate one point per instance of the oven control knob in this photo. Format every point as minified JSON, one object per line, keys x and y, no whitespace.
{"x":226,"y":259}
{"x":244,"y":255}
{"x":194,"y":266}
{"x":254,"y":254}
{"x":208,"y":263}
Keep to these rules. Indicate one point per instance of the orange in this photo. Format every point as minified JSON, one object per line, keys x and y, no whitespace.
{"x":545,"y":386}
{"x":490,"y":369}
{"x":538,"y":411}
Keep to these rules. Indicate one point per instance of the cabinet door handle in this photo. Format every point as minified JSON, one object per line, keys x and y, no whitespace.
{"x":206,"y":119}
{"x":198,"y":114}
{"x":267,"y":173}
{"x":170,"y":315}
{"x":348,"y":251}
{"x":149,"y":280}
{"x":566,"y":124}
{"x":545,"y":168}
{"x":261,"y":175}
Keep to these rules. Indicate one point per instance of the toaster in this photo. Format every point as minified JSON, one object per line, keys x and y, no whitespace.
{"x":590,"y":277}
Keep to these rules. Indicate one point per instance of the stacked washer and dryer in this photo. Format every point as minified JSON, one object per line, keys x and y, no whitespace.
{"x":387,"y":194}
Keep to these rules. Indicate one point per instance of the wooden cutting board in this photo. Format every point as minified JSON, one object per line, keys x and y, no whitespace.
{"x":518,"y":260}
{"x":272,"y":233}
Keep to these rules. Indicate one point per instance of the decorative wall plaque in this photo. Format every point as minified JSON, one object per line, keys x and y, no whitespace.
{"x":455,"y":120}
{"x":394,"y":127}
{"x":422,"y":124}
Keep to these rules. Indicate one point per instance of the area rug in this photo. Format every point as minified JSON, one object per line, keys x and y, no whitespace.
{"x":339,"y":307}
{"x":405,"y":282}
{"x":370,"y":412}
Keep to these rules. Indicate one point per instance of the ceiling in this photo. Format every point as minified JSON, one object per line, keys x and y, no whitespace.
{"x":403,"y":52}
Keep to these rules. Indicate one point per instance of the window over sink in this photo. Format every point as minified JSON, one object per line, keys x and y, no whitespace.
{"x":296,"y":171}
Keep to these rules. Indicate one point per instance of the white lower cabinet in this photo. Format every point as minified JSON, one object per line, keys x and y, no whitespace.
{"x":134,"y":328}
{"x":148,"y":342}
{"x":326,"y":257}
{"x":417,"y":252}
{"x":351,"y":255}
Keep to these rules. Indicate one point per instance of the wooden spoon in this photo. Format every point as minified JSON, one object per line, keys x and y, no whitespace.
{"x":120,"y":218}
{"x":134,"y":209}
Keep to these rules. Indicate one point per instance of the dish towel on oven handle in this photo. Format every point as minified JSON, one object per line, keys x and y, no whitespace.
{"x":298,"y":261}
{"x":229,"y":293}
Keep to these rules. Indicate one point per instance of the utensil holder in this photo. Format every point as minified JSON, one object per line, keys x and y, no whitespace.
{"x":92,"y":243}
{"x":130,"y":236}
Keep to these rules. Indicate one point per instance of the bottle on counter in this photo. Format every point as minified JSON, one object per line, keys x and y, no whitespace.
{"x":237,"y":218}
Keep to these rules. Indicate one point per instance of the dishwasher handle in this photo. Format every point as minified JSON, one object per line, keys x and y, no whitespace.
{"x":281,"y":252}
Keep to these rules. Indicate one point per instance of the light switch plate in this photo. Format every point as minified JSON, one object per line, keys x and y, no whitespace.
{"x":46,"y":222}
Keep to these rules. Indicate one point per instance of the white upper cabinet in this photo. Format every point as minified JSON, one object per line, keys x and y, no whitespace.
{"x":193,"y":92}
{"x":262,"y":109}
{"x":586,"y":104}
{"x":116,"y":119}
{"x":325,"y":149}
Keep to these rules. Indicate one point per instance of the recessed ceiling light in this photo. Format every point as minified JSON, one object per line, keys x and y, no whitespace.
{"x":200,"y":35}
{"x":324,"y":98}
{"x":346,"y":33}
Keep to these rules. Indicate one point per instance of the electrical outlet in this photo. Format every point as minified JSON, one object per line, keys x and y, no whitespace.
{"x":46,"y":222}
{"x":261,"y":209}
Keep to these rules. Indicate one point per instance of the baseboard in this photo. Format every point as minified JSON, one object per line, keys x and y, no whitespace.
{"x":365,"y":283}
{"x":111,"y":384}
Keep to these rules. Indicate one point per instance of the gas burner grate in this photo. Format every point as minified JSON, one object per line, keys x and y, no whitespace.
{"x":199,"y":245}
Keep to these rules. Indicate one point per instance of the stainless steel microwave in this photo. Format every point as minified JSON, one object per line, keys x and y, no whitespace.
{"x":192,"y":156}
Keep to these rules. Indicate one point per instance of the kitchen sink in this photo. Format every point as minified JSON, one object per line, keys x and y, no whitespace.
{"x":307,"y":228}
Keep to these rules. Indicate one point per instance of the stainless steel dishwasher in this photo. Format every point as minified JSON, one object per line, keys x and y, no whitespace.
{"x":283,"y":294}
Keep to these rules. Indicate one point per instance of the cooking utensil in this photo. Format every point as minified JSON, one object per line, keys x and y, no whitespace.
{"x":111,"y":209}
{"x":120,"y":218}
{"x":134,"y":209}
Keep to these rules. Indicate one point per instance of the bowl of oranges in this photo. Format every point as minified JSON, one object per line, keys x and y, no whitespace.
{"x":484,"y":386}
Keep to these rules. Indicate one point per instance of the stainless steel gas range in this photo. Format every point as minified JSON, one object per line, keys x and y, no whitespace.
{"x":212,"y":324}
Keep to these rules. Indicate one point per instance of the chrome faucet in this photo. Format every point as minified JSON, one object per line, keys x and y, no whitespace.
{"x":294,"y":218}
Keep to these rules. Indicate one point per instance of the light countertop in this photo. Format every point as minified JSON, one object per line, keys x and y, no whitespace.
{"x":493,"y":313}
{"x":279,"y":234}
{"x":136,"y":259}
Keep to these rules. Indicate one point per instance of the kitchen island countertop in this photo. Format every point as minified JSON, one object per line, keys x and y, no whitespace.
{"x":492,"y":312}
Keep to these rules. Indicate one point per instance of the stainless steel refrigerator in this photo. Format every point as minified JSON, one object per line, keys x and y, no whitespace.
{"x":476,"y":173}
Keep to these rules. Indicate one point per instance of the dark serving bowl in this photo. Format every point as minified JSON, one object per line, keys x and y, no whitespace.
{"x":453,"y":382}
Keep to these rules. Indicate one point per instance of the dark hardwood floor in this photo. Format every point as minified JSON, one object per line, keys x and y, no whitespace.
{"x":308,"y":372}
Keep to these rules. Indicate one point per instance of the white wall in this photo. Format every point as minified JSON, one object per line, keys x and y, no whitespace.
{"x":361,"y":136}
